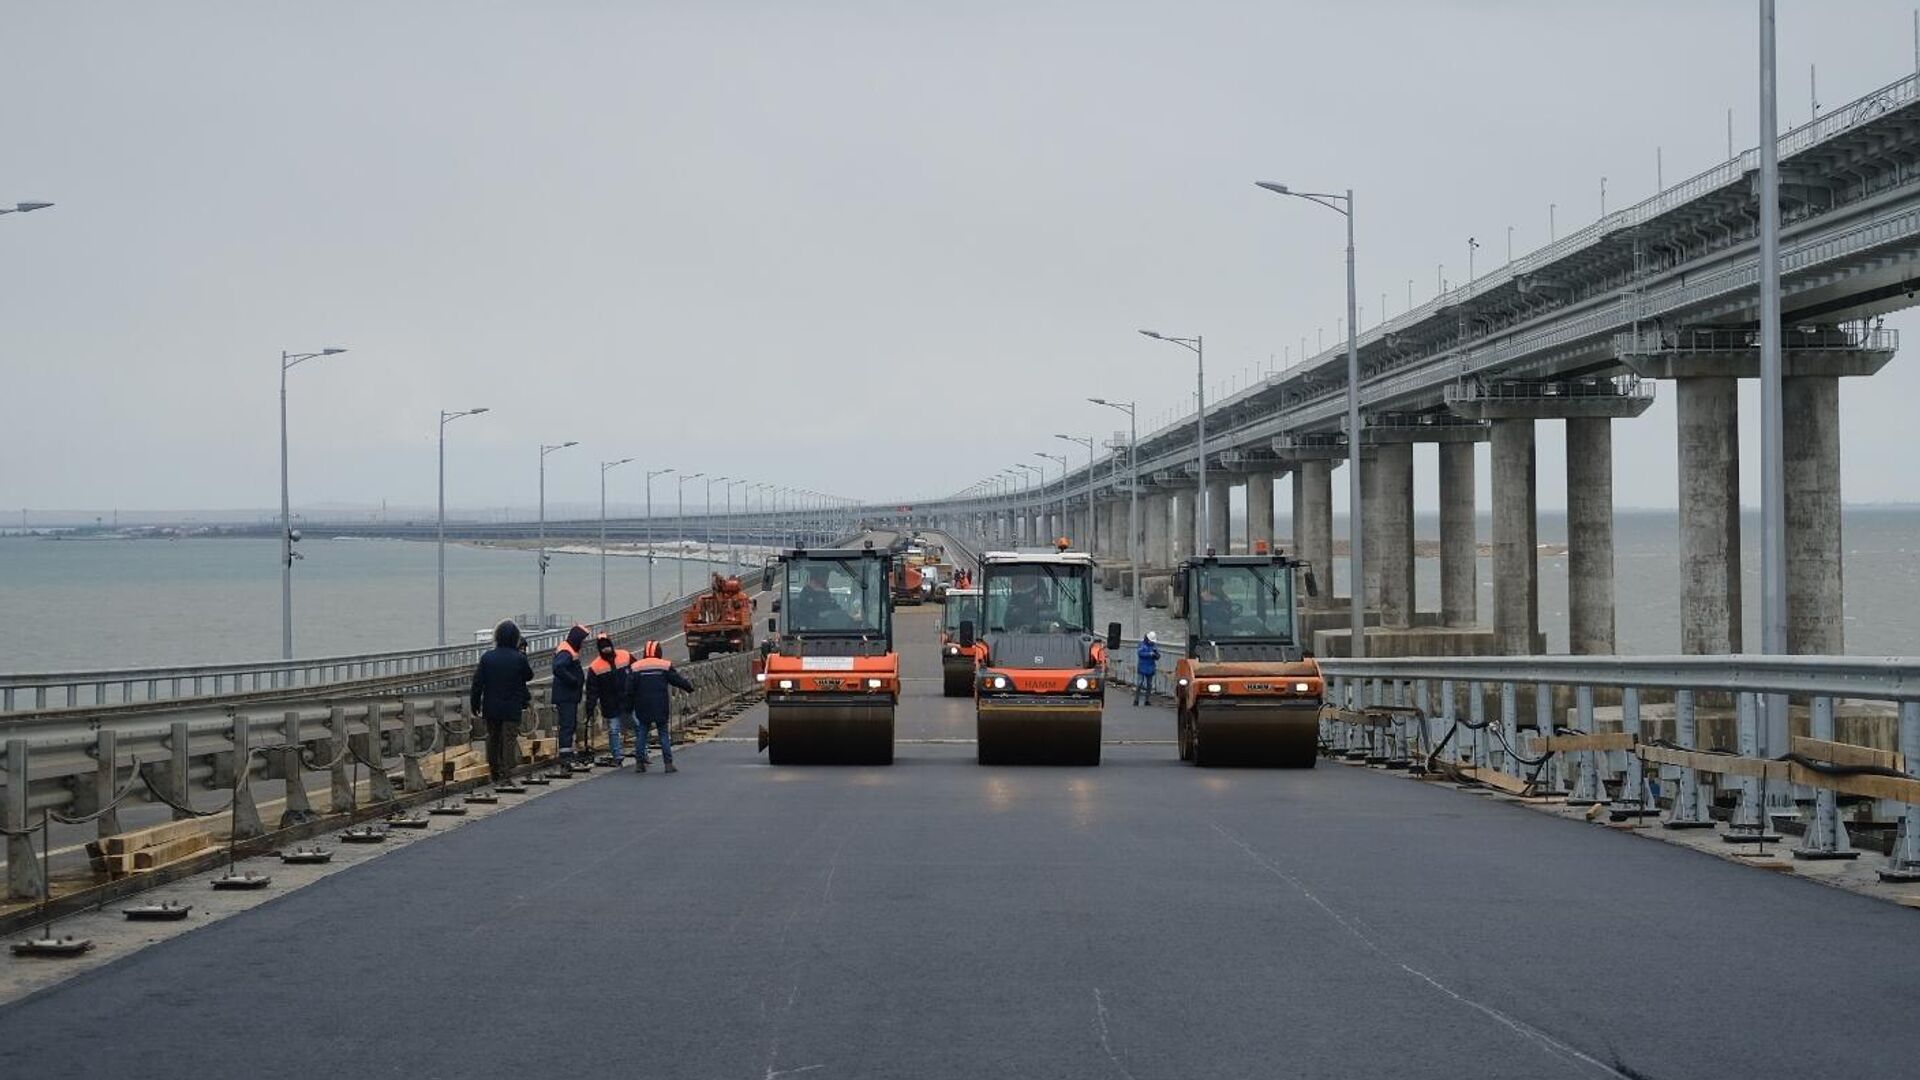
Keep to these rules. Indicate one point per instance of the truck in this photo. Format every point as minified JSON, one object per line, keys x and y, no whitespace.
{"x":719,"y":620}
{"x":831,"y":674}
{"x":1247,"y":691}
{"x":1040,"y":691}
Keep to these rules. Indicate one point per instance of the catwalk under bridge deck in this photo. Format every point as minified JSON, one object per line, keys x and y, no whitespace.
{"x":938,"y":919}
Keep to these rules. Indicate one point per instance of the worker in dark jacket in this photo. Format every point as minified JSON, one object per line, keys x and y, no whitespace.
{"x":648,"y":682}
{"x":569,"y":685}
{"x":499,"y":695}
{"x":606,"y":690}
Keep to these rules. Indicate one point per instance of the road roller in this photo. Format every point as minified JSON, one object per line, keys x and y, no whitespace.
{"x":1041,"y":684}
{"x":1248,"y":692}
{"x":831,"y":675}
{"x":957,"y":663}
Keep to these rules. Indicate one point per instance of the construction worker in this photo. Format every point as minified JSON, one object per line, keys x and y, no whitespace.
{"x":606,"y":689}
{"x":569,"y":685}
{"x":498,"y":696}
{"x":1147,"y":662}
{"x":814,"y":606}
{"x":648,"y":682}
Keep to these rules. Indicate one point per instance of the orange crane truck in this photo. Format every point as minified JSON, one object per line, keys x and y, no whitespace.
{"x":719,"y":620}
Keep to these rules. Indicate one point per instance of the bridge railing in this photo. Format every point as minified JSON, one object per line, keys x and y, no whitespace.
{"x":37,"y":692}
{"x":76,"y":767}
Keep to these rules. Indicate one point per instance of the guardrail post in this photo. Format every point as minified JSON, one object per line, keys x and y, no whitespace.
{"x":1749,"y":823}
{"x":340,"y":755}
{"x":1590,"y":782}
{"x":1508,"y":760}
{"x":174,"y":779}
{"x":1689,"y":809}
{"x":23,"y":868}
{"x":411,"y":778}
{"x":298,"y":807}
{"x":1903,"y":862}
{"x":246,"y":813}
{"x":1635,"y":793}
{"x":1448,"y":717}
{"x":1826,"y":835}
{"x":1477,"y":718}
{"x":379,"y":784}
{"x":106,"y":776}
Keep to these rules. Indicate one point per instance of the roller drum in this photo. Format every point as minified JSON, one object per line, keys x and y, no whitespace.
{"x":1038,"y":735}
{"x":840,"y":731}
{"x":956,"y":680}
{"x":1283,"y":736}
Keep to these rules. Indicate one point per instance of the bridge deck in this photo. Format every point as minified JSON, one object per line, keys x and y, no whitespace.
{"x":938,"y":919}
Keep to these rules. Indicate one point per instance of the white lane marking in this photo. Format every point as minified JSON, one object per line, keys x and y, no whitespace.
{"x":1512,"y":1023}
{"x":1106,"y":1042}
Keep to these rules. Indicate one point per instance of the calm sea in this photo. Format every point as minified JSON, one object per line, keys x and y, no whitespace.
{"x":1882,"y":581}
{"x":129,"y":603}
{"x":113,"y":603}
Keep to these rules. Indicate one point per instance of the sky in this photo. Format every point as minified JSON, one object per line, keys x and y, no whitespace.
{"x":873,"y":249}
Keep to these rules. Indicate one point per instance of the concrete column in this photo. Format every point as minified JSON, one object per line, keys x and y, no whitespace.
{"x":1811,"y":408}
{"x":1590,"y":616}
{"x":1516,"y":559}
{"x":1459,"y":542}
{"x":1389,"y":525}
{"x":1186,"y":531}
{"x":1157,"y":546}
{"x":1219,"y":517}
{"x":1709,"y":438}
{"x":1313,"y":524}
{"x":1259,"y":510}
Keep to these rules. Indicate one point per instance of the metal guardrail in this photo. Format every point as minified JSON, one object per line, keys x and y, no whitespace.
{"x":184,"y":683}
{"x":77,"y":768}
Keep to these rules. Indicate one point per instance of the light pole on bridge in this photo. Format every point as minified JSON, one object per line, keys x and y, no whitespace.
{"x":1356,"y":560}
{"x":733,"y":550}
{"x":604,"y":466}
{"x":445,"y":419}
{"x":680,"y":520}
{"x":652,"y":544}
{"x":287,"y":362}
{"x":545,"y":449}
{"x":1061,"y":460}
{"x":708,"y":514}
{"x":1133,"y":499}
{"x":1197,"y":345}
{"x":1086,"y":441}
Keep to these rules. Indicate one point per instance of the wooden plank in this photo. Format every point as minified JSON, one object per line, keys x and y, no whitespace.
{"x":1612,"y":740}
{"x":159,"y":855}
{"x":1839,"y":753}
{"x":1873,"y":787}
{"x":129,"y":842}
{"x":1722,"y":764}
{"x":1499,"y":781}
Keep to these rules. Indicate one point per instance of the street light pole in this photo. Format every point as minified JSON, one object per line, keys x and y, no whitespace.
{"x":1133,"y":500}
{"x":1093,"y":531}
{"x":287,"y":361}
{"x":680,"y":519}
{"x":604,"y":466}
{"x":1197,"y":345}
{"x":1356,"y":560}
{"x":708,"y":514}
{"x":441,"y":545}
{"x":733,"y":551}
{"x":545,"y":449}
{"x":1061,"y":459}
{"x":652,"y":545}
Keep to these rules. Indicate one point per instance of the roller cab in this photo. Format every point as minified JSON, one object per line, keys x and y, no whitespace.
{"x":957,"y":662}
{"x":831,"y":676}
{"x":1248,"y":693}
{"x":1041,"y":685}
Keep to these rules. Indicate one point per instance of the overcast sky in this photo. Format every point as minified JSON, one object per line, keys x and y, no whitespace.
{"x":876,"y":249}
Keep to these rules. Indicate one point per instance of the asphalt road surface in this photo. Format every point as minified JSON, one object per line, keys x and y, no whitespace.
{"x":936,"y":919}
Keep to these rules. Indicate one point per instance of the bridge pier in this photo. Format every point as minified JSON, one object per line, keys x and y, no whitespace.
{"x":1387,"y":492}
{"x":1590,"y":595}
{"x":1516,"y":566}
{"x":1219,"y":531}
{"x":1313,"y":524}
{"x":1157,"y":545}
{"x":1816,"y":621}
{"x":1709,"y":457}
{"x":1459,"y":539}
{"x":1259,"y":511}
{"x":1186,"y":525}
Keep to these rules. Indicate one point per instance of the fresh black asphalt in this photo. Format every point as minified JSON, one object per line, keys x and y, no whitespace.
{"x":936,"y":919}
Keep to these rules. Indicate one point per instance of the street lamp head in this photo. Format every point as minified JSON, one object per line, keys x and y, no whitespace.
{"x":1277,"y":189}
{"x":1098,"y":400}
{"x":25,"y":207}
{"x":332,"y":350}
{"x":478,"y":411}
{"x":1154,"y":335}
{"x":569,"y":442}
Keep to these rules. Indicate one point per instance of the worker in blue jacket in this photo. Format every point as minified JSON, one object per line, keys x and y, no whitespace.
{"x":649,"y":680}
{"x":569,"y":686}
{"x":1148,"y":661}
